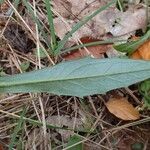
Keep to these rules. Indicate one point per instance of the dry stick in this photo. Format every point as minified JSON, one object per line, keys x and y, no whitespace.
{"x":111,"y":131}
{"x":133,"y":96}
{"x":58,"y":114}
{"x":102,"y":127}
{"x":4,"y":129}
{"x":76,"y":112}
{"x":130,"y":124}
{"x":84,"y":140}
{"x":10,"y":64}
{"x":93,"y":106}
{"x":10,"y":98}
{"x":105,"y":134}
{"x":9,"y":46}
{"x":37,"y":37}
{"x":94,"y":125}
{"x":90,"y":100}
{"x":36,"y":111}
{"x":15,"y":62}
{"x":146,"y":145}
{"x":7,"y":112}
{"x":31,"y":120}
{"x":4,"y":101}
{"x":23,"y":57}
{"x":5,"y":27}
{"x":30,"y":31}
{"x":39,"y":14}
{"x":6,"y":24}
{"x":95,"y":118}
{"x":43,"y":119}
{"x":13,"y":59}
{"x":39,"y":64}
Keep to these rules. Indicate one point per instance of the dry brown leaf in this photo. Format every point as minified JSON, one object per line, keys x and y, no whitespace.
{"x":129,"y":21}
{"x":37,"y":138}
{"x":122,"y":109}
{"x":110,"y":20}
{"x":95,"y":51}
{"x":65,"y":120}
{"x":63,"y":7}
{"x":143,"y":52}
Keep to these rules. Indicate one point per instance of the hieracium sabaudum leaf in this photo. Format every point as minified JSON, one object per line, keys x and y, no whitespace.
{"x":79,"y":78}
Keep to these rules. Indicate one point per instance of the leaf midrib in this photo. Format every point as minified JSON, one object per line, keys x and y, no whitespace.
{"x":75,"y":78}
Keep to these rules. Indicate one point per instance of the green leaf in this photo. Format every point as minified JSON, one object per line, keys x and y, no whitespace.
{"x":38,"y":23}
{"x":17,"y":129}
{"x":145,"y":90}
{"x":72,"y":143}
{"x":25,"y":65}
{"x":51,"y":23}
{"x":120,"y":5}
{"x":137,"y":146}
{"x":42,"y":53}
{"x":130,"y":47}
{"x":2,"y":73}
{"x":1,"y":1}
{"x":108,"y":41}
{"x":79,"y":78}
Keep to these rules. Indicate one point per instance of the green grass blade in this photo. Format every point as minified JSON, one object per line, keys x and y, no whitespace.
{"x":37,"y":21}
{"x":51,"y":23}
{"x":16,"y":3}
{"x":1,"y":1}
{"x":17,"y":129}
{"x":79,"y":25}
{"x":40,"y":124}
{"x":120,"y":5}
{"x":109,"y":41}
{"x":74,"y":143}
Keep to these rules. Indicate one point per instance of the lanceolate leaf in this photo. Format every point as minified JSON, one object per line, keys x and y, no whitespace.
{"x":79,"y":78}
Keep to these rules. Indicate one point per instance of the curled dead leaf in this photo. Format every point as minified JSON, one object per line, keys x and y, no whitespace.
{"x":122,"y":109}
{"x":143,"y":52}
{"x":94,"y":51}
